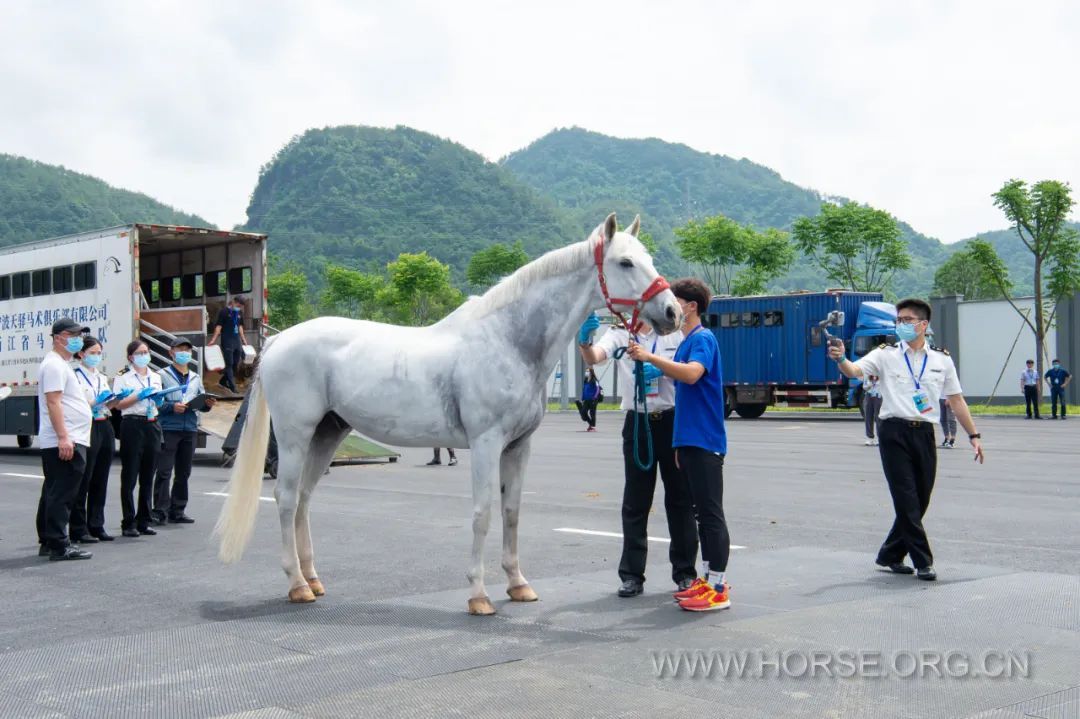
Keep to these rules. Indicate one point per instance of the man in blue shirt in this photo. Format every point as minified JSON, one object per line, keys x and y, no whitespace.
{"x":699,"y":439}
{"x":1058,"y":378}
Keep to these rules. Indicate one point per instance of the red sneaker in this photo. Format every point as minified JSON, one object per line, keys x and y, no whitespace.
{"x":708,"y":601}
{"x":694,"y":590}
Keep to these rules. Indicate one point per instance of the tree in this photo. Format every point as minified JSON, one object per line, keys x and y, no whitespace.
{"x":351,"y":293}
{"x":962,"y":274}
{"x":492,"y":263}
{"x":1038,"y":216}
{"x":287,"y":289}
{"x":735,"y":259}
{"x":854,"y":245}
{"x":418,"y":291}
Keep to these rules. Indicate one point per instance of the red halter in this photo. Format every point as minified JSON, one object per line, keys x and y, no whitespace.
{"x":657,"y":286}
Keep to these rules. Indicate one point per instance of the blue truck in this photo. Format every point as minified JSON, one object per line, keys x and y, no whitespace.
{"x":774,"y":348}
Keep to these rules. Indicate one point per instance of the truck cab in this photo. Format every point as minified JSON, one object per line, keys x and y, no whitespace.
{"x":875,"y":326}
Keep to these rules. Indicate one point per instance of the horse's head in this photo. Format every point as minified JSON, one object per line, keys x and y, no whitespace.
{"x":629,"y":281}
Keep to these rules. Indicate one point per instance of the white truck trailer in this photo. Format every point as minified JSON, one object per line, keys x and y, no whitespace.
{"x":155,"y":282}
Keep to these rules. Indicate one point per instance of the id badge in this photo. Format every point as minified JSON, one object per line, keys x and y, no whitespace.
{"x":922,"y":402}
{"x":151,"y":411}
{"x":652,"y":388}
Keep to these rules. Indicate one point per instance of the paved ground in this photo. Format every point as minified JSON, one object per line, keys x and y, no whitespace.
{"x":157,"y":627}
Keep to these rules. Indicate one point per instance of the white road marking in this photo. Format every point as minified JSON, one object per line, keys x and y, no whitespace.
{"x":617,"y":535}
{"x":226,"y":494}
{"x":24,"y":476}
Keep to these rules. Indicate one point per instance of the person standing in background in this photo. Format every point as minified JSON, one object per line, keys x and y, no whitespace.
{"x":229,"y":329}
{"x":948,"y":424}
{"x":1029,"y":385}
{"x":871,"y":408}
{"x":590,"y":393}
{"x":140,"y":438}
{"x":88,"y":512}
{"x":1058,"y":378}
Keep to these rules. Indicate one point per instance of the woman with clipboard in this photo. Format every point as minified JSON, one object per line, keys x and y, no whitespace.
{"x":87,"y":523}
{"x":140,"y":437}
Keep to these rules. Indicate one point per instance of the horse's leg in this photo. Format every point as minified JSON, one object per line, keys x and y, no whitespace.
{"x":290,"y":469}
{"x":328,"y":436}
{"x":512,"y":477}
{"x":485,"y":453}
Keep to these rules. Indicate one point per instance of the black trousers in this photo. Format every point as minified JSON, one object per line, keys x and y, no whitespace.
{"x":140,"y":442}
{"x":588,"y":411}
{"x":638,"y":491}
{"x":88,"y":511}
{"x":1056,"y":394}
{"x":871,"y":408}
{"x":909,"y":458}
{"x":233,"y":354}
{"x":177,"y":451}
{"x":1031,"y":399}
{"x":704,"y":472}
{"x":58,"y":492}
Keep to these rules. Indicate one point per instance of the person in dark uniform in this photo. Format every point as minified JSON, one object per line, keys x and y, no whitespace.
{"x":1029,"y":385}
{"x":914,"y":376}
{"x":88,"y":513}
{"x":229,"y":329}
{"x":140,"y":438}
{"x":1058,"y":378}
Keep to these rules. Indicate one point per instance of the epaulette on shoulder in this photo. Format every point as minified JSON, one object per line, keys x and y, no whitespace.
{"x":884,"y":345}
{"x":942,"y":350}
{"x":123,"y":371}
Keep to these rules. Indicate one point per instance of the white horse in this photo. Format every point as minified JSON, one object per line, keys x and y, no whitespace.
{"x":431,"y":387}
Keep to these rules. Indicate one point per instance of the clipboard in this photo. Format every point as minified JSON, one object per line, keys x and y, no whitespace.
{"x":198,"y":402}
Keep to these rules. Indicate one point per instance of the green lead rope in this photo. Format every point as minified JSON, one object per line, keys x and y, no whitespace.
{"x":640,"y":401}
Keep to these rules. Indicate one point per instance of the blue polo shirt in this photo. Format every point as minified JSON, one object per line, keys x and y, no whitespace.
{"x":1057,"y":376}
{"x":699,"y":407}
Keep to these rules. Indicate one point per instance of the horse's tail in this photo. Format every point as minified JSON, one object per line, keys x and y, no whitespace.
{"x":237,"y":518}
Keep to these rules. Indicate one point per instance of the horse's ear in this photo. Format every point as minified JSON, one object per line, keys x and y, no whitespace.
{"x":610,"y":227}
{"x":634,"y":226}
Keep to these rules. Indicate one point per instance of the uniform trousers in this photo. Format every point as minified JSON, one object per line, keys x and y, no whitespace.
{"x":909,"y":458}
{"x":88,"y":511}
{"x":58,"y":491}
{"x":177,"y":451}
{"x":704,"y":472}
{"x":140,"y":443}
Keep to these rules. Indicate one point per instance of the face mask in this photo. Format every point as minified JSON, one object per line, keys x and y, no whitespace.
{"x":183,"y":358}
{"x":906,"y":332}
{"x":1057,"y":365}
{"x":141,"y":360}
{"x":74,"y":344}
{"x":91,"y":361}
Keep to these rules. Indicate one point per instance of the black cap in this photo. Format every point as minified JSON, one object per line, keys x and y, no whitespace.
{"x":66,"y":324}
{"x":180,"y":341}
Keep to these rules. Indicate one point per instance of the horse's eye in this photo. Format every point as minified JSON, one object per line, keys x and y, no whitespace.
{"x":625,"y":263}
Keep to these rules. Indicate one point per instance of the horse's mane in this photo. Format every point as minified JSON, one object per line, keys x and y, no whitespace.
{"x":556,"y":262}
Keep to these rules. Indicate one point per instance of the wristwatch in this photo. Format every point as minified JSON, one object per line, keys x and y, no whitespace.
{"x":977,"y":435}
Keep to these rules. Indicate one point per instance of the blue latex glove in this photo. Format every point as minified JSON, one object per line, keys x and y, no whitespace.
{"x":159,"y":400}
{"x":590,"y":325}
{"x":104,"y":395}
{"x":124,"y":393}
{"x":146,"y":392}
{"x":651,"y":372}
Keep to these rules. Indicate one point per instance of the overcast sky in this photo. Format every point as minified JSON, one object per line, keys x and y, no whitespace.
{"x":920,"y":108}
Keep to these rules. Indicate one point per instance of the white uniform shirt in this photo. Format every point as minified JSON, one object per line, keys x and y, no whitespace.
{"x":897,"y":383}
{"x":93,"y":383}
{"x":1030,"y":378}
{"x":132,"y":380}
{"x":662,"y":396}
{"x":56,"y":375}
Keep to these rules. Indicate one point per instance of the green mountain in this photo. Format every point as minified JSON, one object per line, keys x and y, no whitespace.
{"x":671,"y":183}
{"x":359,"y":196}
{"x":38,"y":201}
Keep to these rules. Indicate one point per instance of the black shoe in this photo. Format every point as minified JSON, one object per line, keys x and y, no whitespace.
{"x":452,"y":462}
{"x":927,"y":574}
{"x":159,"y":518}
{"x":434,"y":462}
{"x":43,"y":550}
{"x":68,"y":552}
{"x":130,"y":532}
{"x":83,"y":539}
{"x":102,"y":535}
{"x":147,"y":531}
{"x":685,"y":583}
{"x":181,"y":519}
{"x":631,"y":588}
{"x":897,"y":567}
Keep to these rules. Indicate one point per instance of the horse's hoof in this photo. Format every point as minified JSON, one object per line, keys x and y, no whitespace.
{"x":522,"y":593}
{"x":481,"y":607}
{"x":317,"y":587}
{"x":301,"y":595}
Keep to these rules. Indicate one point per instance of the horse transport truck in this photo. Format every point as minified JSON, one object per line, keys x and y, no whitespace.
{"x":155,"y":282}
{"x":774,"y":348}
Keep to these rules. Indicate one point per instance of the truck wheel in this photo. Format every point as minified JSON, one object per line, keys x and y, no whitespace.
{"x":750,"y":411}
{"x":24,"y":441}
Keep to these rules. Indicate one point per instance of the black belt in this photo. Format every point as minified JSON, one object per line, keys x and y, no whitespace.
{"x":659,"y":414}
{"x":911,"y":423}
{"x":138,"y":418}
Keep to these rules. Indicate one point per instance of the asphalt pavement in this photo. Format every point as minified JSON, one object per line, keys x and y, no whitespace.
{"x":156,"y":626}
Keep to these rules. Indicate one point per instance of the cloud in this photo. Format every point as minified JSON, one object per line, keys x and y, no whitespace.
{"x":920,"y":108}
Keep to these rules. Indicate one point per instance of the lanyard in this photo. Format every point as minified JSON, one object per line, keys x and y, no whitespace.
{"x":912,"y":372}
{"x":181,"y":379}
{"x":83,"y":374}
{"x":694,"y":331}
{"x":148,"y":383}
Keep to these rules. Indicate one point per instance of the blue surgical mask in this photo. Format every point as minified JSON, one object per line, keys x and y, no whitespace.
{"x":1057,"y":365}
{"x":140,"y":360}
{"x":906,"y":332}
{"x":74,"y":344}
{"x":183,"y":358}
{"x":91,"y":361}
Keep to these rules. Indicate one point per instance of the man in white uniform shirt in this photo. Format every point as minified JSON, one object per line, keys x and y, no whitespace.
{"x":64,"y":435}
{"x":640,"y":485}
{"x":913,"y":377}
